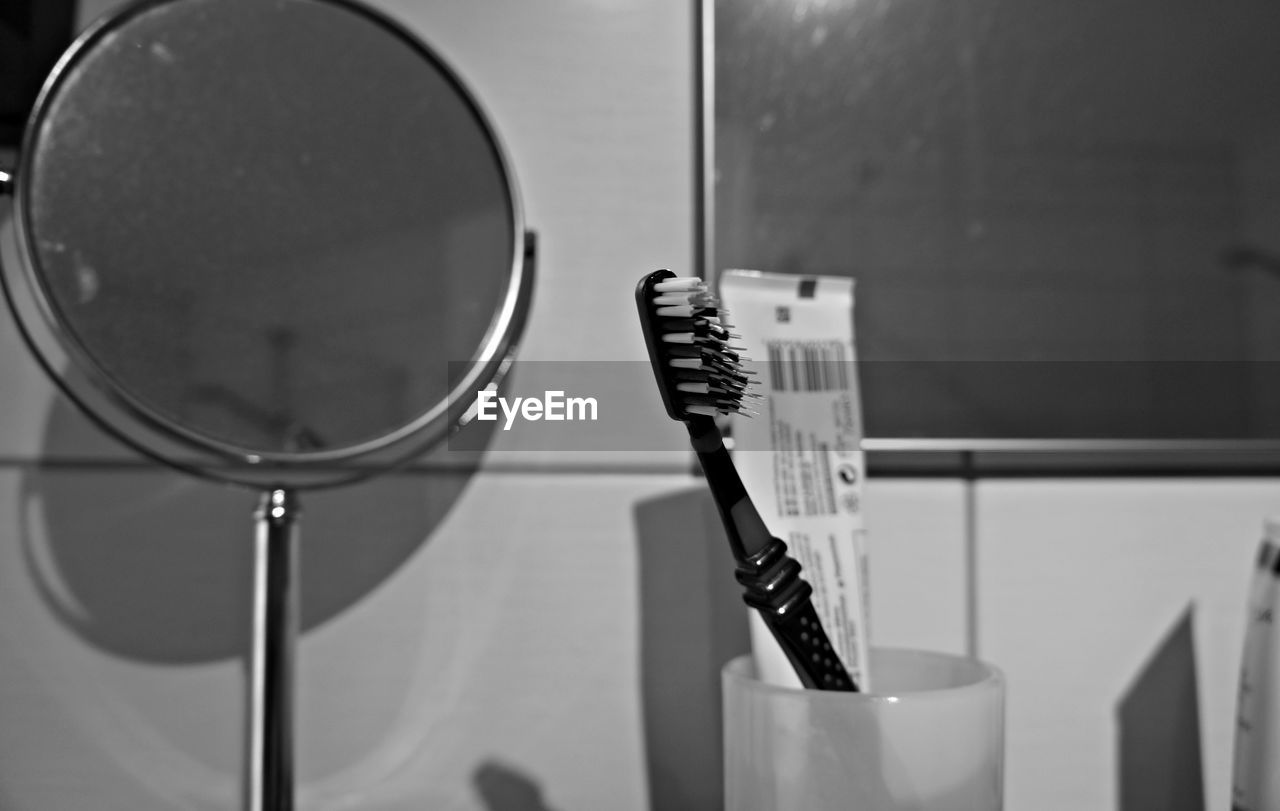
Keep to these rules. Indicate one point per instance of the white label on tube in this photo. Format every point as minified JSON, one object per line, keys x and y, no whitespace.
{"x":801,"y":459}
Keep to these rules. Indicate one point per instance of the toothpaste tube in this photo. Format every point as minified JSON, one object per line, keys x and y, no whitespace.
{"x":1255,"y":783}
{"x":801,"y":458}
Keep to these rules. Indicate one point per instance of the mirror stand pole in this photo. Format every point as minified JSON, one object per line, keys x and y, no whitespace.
{"x":269,"y":783}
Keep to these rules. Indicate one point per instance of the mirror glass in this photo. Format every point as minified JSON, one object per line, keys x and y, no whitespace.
{"x":267,"y":228}
{"x":1063,"y":218}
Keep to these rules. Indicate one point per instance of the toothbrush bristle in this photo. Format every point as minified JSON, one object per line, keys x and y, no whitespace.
{"x":701,"y":372}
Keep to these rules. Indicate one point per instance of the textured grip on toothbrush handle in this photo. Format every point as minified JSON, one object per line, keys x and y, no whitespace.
{"x":775,"y":588}
{"x":805,"y":643}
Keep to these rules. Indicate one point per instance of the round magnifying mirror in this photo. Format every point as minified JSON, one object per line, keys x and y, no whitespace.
{"x":276,"y":243}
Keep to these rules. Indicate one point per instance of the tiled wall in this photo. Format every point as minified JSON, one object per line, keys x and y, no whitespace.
{"x":545,"y":632}
{"x":1117,"y":610}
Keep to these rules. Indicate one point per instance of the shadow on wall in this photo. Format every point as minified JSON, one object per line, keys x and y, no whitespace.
{"x":692,"y":622}
{"x":504,"y":788}
{"x":153,"y":565}
{"x":1158,"y":720}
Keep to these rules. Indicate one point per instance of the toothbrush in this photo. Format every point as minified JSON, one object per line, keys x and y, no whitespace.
{"x":700,"y":377}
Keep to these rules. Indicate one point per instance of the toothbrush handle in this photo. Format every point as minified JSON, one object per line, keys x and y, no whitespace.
{"x":805,"y":643}
{"x":775,"y":588}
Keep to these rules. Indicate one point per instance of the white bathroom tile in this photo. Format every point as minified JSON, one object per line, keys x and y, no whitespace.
{"x":1080,"y":584}
{"x":916,"y":546}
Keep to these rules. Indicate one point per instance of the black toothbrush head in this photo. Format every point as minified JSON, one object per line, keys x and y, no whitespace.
{"x":699,"y":374}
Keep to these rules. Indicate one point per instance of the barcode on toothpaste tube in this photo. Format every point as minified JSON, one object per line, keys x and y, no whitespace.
{"x":808,"y":366}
